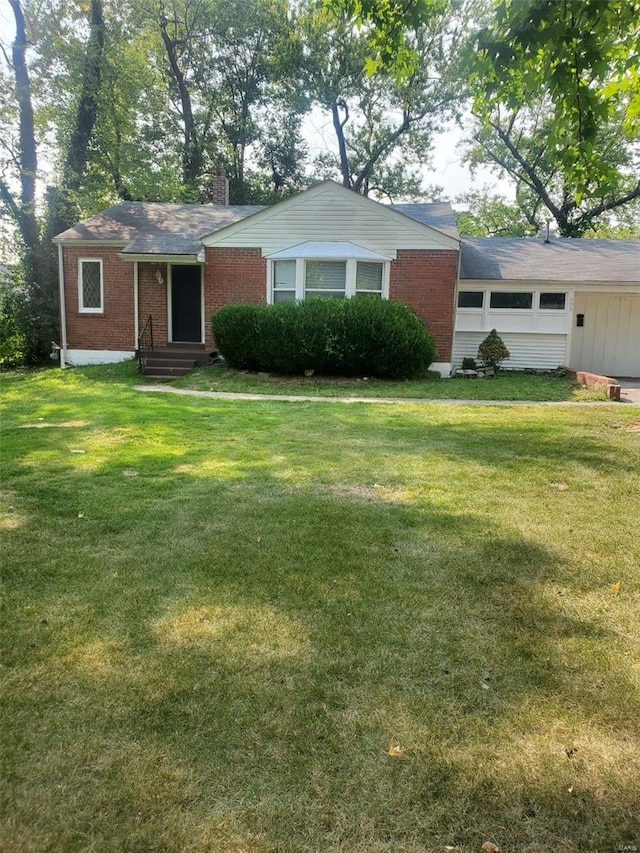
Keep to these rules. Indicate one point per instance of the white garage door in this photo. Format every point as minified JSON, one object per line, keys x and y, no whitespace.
{"x":609,"y":341}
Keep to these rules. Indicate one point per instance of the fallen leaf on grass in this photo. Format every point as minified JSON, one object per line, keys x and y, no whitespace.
{"x":490,"y":847}
{"x":615,"y":588}
{"x":396,"y":751}
{"x":80,"y":515}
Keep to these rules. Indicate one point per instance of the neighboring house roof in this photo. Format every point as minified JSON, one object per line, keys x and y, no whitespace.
{"x":561,"y":259}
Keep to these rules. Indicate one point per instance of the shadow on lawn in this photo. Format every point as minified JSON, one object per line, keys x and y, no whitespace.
{"x":233,"y":679}
{"x":248,"y":691}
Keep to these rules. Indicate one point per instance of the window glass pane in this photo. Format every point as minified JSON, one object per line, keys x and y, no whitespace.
{"x":321,"y":276}
{"x":284,"y":296}
{"x":470,"y":299}
{"x":553,"y":301}
{"x":369,"y":277}
{"x":284,"y":275}
{"x":370,"y":293}
{"x":511,"y":300}
{"x":91,"y":297}
{"x":325,"y":294}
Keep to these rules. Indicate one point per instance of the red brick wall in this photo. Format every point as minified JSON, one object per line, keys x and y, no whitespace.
{"x":152,"y":300}
{"x":232,"y":275}
{"x":113,"y":329}
{"x":426,"y":281}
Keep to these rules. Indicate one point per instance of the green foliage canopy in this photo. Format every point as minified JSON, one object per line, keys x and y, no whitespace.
{"x":557,"y":97}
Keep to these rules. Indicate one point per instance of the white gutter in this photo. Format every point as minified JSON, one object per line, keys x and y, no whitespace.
{"x":63,"y":308}
{"x":136,"y":311}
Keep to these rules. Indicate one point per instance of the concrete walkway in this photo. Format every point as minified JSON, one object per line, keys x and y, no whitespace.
{"x":301,"y":398}
{"x":630,"y":391}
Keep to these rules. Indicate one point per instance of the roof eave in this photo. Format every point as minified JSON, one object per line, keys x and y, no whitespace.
{"x":160,"y":258}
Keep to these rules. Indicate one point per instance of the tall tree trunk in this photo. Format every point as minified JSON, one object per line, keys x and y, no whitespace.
{"x":39,"y":257}
{"x":62,"y":208}
{"x":192,"y":152}
{"x":23,"y":211}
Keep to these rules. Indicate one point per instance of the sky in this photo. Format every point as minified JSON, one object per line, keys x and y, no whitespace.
{"x":448,"y":169}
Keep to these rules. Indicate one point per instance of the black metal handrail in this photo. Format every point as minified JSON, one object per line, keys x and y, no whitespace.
{"x":145,"y":343}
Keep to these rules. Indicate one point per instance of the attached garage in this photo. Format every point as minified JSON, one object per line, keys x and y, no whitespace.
{"x":606,"y":333}
{"x":564,"y":302}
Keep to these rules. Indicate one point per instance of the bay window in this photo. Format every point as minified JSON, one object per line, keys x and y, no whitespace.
{"x":332,"y":270}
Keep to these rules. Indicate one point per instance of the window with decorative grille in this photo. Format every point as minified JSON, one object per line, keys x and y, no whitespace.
{"x":90,"y":286}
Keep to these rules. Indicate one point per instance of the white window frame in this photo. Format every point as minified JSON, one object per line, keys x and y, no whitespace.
{"x":81,"y":307}
{"x":542,"y":310}
{"x":350,"y":276}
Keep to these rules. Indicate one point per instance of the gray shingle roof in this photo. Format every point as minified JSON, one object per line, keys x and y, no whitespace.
{"x":158,"y":227}
{"x":562,"y":259}
{"x":438,"y":215}
{"x":177,"y":229}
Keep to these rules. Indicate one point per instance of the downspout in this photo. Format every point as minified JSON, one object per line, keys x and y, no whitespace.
{"x":63,"y":308}
{"x":455,"y":302}
{"x":136,"y":312}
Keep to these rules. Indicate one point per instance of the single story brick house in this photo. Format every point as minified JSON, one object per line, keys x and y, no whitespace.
{"x":562,"y":302}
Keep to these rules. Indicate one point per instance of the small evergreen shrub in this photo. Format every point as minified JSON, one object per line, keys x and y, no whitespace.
{"x":346,"y":337}
{"x":492,"y":350}
{"x":469,"y":364}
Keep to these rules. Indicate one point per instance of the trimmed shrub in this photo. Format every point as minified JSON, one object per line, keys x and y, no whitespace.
{"x":346,"y":337}
{"x":235,"y":331}
{"x":492,"y":350}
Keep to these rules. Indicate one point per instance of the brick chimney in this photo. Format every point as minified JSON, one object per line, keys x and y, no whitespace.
{"x":220,"y":188}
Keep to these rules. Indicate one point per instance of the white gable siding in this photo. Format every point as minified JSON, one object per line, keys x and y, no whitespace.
{"x":331,"y":216}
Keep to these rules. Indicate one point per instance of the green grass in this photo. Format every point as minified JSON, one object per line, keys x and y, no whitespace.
{"x":221,"y":616}
{"x":507,"y":385}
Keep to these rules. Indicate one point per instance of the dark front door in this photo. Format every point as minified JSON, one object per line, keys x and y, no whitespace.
{"x":186,"y":304}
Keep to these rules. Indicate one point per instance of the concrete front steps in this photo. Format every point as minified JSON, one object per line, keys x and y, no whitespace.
{"x":175,"y":360}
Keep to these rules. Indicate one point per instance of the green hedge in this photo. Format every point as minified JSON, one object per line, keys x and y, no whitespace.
{"x":364,"y":336}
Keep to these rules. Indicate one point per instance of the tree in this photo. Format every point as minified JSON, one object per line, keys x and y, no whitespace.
{"x":488,"y":214}
{"x":381,"y":122}
{"x":21,"y":169}
{"x":557,"y":97}
{"x":386,"y":26}
{"x":229,"y":72}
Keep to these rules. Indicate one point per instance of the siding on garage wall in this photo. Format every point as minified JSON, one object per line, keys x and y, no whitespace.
{"x":609,"y":341}
{"x":528,"y":350}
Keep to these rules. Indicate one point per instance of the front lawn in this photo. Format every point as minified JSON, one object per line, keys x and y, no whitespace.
{"x":507,"y":385}
{"x":268,"y":627}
